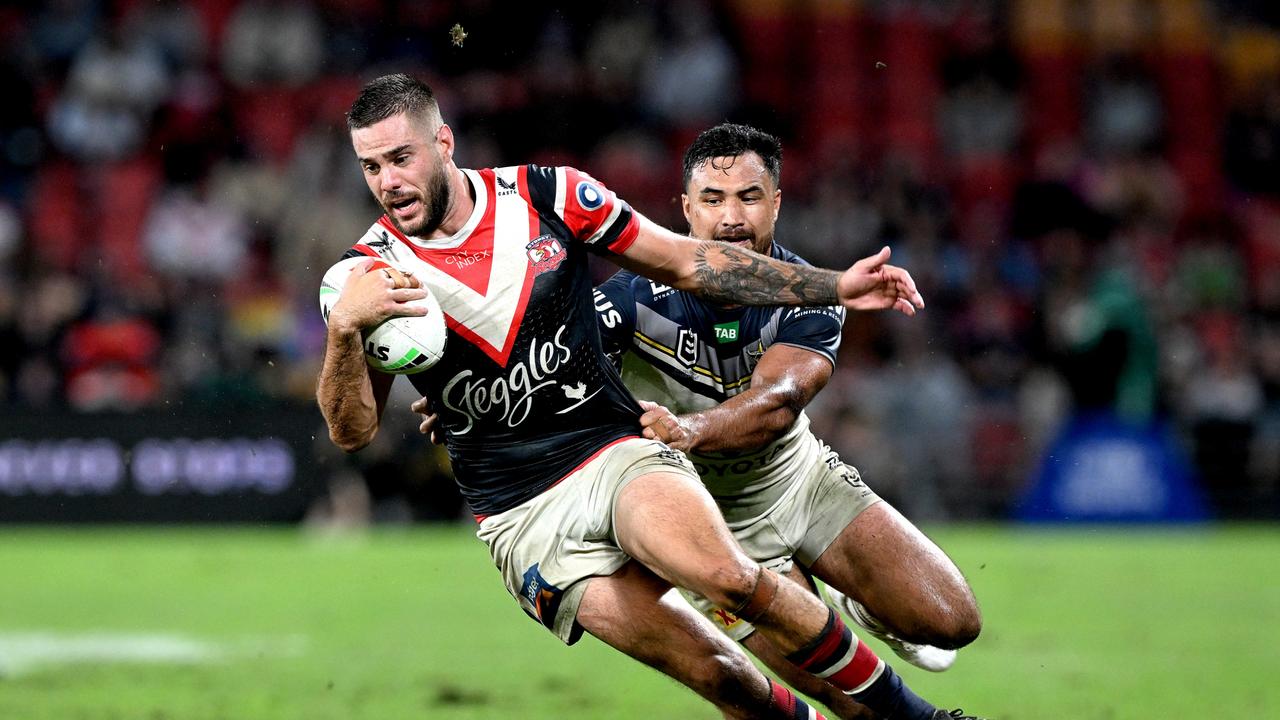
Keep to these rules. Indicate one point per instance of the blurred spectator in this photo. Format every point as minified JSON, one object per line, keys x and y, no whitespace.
{"x":693,"y":78}
{"x":190,"y":235}
{"x":1087,"y":194}
{"x":273,"y":42}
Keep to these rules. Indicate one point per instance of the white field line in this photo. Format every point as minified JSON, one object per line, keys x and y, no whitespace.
{"x":26,"y":651}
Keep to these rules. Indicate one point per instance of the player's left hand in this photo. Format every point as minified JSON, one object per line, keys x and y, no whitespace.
{"x":422,"y":406}
{"x":873,"y":284}
{"x":659,"y":423}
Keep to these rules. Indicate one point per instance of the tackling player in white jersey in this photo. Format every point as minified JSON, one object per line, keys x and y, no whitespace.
{"x":728,"y":386}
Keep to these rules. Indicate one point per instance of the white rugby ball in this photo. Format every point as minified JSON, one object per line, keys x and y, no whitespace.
{"x":401,"y":345}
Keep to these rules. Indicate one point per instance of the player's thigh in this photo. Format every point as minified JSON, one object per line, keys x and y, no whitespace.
{"x":635,"y":611}
{"x":885,"y":562}
{"x":669,"y":522}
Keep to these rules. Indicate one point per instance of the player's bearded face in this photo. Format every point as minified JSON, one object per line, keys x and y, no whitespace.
{"x":406,"y":171}
{"x":420,"y":210}
{"x":733,"y":200}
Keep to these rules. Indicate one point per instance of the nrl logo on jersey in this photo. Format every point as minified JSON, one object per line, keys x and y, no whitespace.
{"x":546,"y":253}
{"x":687,"y":347}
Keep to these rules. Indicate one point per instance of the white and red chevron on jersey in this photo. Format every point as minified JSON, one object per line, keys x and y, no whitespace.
{"x":484,"y":288}
{"x":524,"y":392}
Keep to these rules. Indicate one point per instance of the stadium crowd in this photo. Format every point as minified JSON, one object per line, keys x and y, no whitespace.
{"x":1087,"y":192}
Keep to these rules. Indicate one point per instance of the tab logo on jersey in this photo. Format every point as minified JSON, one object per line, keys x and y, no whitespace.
{"x":687,"y":347}
{"x":546,"y":253}
{"x":590,"y":197}
{"x":542,"y":595}
{"x":727,"y":332}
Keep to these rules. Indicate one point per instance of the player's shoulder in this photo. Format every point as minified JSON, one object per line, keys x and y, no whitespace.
{"x":374,"y":242}
{"x":780,"y":252}
{"x":623,"y":282}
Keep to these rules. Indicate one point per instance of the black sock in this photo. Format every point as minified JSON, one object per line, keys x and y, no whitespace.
{"x":891,"y":697}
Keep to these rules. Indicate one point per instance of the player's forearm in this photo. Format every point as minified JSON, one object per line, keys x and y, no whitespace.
{"x":345,"y":394}
{"x":730,"y":274}
{"x":742,"y":424}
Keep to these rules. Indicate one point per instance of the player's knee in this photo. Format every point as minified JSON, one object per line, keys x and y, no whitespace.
{"x":959,"y":626}
{"x":725,"y":678}
{"x":729,"y":584}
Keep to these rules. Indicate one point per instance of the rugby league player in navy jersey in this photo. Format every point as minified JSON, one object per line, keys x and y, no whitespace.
{"x":589,"y":523}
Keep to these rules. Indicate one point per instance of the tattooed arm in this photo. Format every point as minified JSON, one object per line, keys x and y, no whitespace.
{"x":730,"y":274}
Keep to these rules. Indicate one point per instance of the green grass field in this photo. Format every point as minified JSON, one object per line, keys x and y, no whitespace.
{"x":1085,"y":623}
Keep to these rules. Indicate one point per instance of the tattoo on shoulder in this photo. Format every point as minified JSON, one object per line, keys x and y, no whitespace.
{"x":734,"y":275}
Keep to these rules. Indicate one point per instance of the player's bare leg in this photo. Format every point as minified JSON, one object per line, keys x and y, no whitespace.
{"x":632,"y":611}
{"x":903,"y":578}
{"x":669,"y":522}
{"x":840,"y":704}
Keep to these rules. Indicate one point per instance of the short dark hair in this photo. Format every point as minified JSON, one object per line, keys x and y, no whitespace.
{"x":732,"y":140}
{"x":391,"y":95}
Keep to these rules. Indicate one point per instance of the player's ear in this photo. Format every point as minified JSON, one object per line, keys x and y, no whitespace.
{"x":777,"y":203}
{"x":684,"y":204}
{"x":444,"y":139}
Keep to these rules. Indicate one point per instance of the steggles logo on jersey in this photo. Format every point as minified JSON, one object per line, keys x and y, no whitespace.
{"x":546,"y":253}
{"x":510,"y":397}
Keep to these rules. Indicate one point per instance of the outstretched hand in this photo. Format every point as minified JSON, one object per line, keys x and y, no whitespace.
{"x":873,"y":284}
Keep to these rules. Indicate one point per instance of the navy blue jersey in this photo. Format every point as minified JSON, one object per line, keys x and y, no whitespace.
{"x":524,"y":392}
{"x":686,"y":354}
{"x":709,"y":350}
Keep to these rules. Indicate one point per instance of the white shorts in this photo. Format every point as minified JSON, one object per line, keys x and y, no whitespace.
{"x":546,"y":546}
{"x":799,"y":527}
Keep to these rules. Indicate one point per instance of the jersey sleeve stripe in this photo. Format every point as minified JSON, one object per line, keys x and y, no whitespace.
{"x":628,"y":235}
{"x":561,"y":182}
{"x":607,"y":225}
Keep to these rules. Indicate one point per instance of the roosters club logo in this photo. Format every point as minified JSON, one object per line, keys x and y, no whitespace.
{"x":546,"y":253}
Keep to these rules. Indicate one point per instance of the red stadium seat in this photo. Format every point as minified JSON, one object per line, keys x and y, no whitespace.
{"x":58,"y":222}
